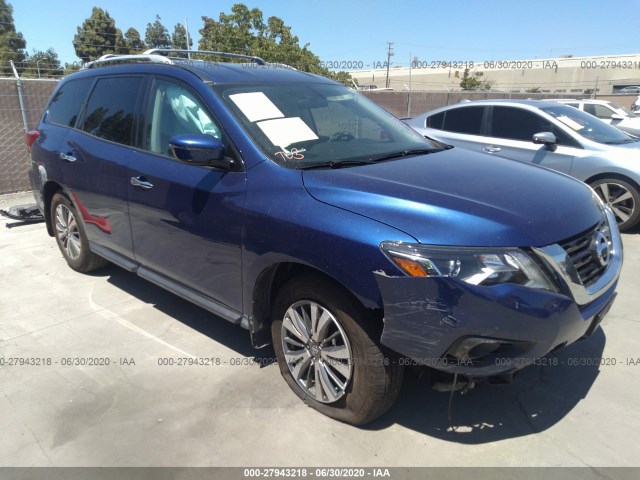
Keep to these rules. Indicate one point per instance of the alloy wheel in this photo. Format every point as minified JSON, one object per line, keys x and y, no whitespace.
{"x":618,"y":198}
{"x":317,"y":351}
{"x":67,"y":232}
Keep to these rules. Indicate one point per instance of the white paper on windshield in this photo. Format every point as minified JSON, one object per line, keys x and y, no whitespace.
{"x":282,"y":132}
{"x":570,"y":123}
{"x":256,"y":106}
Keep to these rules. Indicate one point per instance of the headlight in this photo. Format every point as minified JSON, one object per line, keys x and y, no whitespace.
{"x":477,"y":266}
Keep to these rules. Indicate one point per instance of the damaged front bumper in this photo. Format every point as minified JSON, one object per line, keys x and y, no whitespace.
{"x":477,"y":331}
{"x":460,"y":328}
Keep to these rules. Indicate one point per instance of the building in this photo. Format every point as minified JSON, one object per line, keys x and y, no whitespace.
{"x":569,"y":75}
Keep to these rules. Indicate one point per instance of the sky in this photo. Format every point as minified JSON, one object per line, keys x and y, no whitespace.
{"x":359,"y":31}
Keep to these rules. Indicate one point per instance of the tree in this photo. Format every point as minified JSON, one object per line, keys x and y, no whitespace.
{"x":179,"y":38}
{"x":12,"y":43}
{"x":133,"y":43}
{"x":474,"y":82}
{"x":245,"y":31}
{"x":43,"y":65}
{"x":96,"y":37}
{"x":69,"y":68}
{"x":157,"y":35}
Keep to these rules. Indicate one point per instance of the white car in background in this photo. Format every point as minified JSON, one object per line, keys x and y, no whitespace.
{"x":608,"y":112}
{"x":548,"y":134}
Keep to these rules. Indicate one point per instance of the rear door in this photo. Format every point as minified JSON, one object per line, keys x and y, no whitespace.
{"x":186,"y":220}
{"x":460,"y":127}
{"x":96,"y":157}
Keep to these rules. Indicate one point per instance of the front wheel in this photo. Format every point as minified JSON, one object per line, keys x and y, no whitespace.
{"x":622,"y":197}
{"x":329,"y":354}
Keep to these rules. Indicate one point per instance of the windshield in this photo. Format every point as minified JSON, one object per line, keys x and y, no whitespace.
{"x":590,"y":127}
{"x":307,"y":124}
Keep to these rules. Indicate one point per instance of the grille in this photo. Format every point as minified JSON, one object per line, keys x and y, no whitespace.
{"x":583,"y":254}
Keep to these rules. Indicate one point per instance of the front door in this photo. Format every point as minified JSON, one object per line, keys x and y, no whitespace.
{"x":186,"y":220}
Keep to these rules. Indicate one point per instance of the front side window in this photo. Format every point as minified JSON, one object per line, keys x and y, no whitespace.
{"x":599,"y":111}
{"x":517,"y":124}
{"x":464,"y":120}
{"x":64,"y":108}
{"x":305,"y":124}
{"x":175,"y":110}
{"x":111,"y":108}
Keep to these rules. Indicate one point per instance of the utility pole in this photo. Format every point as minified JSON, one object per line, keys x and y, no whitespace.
{"x":186,"y":25}
{"x":389,"y":55}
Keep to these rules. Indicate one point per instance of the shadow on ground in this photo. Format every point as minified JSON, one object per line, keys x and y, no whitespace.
{"x":230,"y":335}
{"x":539,"y":397}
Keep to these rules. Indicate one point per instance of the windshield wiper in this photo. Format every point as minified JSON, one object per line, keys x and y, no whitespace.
{"x":403,"y":153}
{"x":381,"y":158}
{"x":333,"y":164}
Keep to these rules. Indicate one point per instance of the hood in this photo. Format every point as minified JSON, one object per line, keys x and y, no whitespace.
{"x":458,"y":197}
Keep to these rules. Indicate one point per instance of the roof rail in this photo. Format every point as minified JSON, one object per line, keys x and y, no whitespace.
{"x":160,"y":51}
{"x":112,"y":59}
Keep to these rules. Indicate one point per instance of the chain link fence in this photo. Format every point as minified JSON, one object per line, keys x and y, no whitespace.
{"x":14,"y":161}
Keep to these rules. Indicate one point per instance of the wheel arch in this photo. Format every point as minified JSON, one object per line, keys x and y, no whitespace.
{"x":614,"y":175}
{"x":272,"y":278}
{"x":49,"y":190}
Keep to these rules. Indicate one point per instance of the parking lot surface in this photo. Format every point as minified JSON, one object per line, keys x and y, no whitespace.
{"x":107,"y":369}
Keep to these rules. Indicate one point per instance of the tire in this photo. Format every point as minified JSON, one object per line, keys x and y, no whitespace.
{"x":623,"y":198}
{"x":360,"y":379}
{"x":71,"y":237}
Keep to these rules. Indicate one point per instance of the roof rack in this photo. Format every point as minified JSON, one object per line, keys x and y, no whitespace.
{"x":155,"y":55}
{"x":160,"y":51}
{"x":113,"y":59}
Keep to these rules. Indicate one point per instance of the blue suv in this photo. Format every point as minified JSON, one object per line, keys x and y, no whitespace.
{"x":293,"y":206}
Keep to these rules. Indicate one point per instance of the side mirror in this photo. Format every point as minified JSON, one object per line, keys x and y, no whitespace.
{"x":200,"y":149}
{"x":545,"y":138}
{"x":617,"y":116}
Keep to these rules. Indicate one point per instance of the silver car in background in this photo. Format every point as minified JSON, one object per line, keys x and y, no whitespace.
{"x":549,"y":134}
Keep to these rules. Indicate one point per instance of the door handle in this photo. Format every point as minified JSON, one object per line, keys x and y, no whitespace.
{"x":492,"y":149}
{"x":67,"y":158}
{"x":141,"y":182}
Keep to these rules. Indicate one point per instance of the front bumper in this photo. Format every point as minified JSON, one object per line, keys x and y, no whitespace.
{"x":456,"y":327}
{"x":427,"y":319}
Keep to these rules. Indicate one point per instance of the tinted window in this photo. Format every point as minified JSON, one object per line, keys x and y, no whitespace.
{"x":436,"y":121}
{"x":111,"y":109}
{"x":603,"y":112}
{"x":174,"y":110}
{"x":517,"y":124}
{"x":65,"y":105}
{"x":464,"y":120}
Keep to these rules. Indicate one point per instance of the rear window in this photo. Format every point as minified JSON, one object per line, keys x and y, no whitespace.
{"x":464,"y":120}
{"x":111,"y":109}
{"x":65,"y":105}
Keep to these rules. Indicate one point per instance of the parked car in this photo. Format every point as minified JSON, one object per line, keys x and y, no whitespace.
{"x":545,"y":133}
{"x":608,"y":112}
{"x":295,"y":207}
{"x":630,"y":89}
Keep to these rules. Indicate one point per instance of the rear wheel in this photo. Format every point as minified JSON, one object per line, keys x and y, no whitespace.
{"x":622,"y":197}
{"x":328,"y":352}
{"x":70,"y":236}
